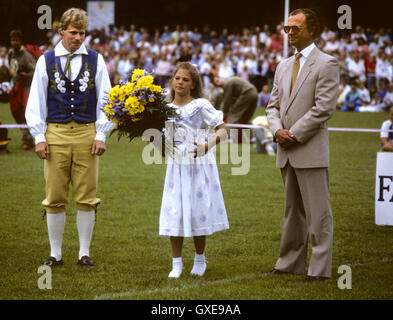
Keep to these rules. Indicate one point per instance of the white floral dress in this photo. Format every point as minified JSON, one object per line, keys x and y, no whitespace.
{"x":192,"y":202}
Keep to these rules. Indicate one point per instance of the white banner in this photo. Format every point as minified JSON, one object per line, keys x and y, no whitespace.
{"x":384,"y":189}
{"x":101,"y":14}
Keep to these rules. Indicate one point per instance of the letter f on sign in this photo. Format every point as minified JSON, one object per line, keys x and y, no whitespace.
{"x":382,"y":187}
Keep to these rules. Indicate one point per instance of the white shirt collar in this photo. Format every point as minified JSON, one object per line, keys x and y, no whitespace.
{"x":61,"y":51}
{"x":307,"y":50}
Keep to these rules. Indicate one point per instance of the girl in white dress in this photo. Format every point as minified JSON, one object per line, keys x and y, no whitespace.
{"x":192,"y":202}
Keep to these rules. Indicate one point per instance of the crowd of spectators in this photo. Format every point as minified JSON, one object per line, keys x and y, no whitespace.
{"x":365,"y":56}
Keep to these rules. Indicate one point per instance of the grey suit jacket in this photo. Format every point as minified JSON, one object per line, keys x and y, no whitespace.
{"x":306,"y":110}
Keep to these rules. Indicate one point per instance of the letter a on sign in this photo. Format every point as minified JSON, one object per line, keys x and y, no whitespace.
{"x":345,"y":21}
{"x":345,"y":281}
{"x":45,"y":281}
{"x":45,"y":21}
{"x":384,"y":189}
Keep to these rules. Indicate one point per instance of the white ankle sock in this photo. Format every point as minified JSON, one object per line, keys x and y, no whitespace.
{"x":177,"y":268}
{"x":56,"y":223}
{"x":85,"y":222}
{"x":199,"y":265}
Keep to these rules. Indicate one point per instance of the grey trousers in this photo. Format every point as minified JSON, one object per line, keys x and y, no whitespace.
{"x":308,"y":214}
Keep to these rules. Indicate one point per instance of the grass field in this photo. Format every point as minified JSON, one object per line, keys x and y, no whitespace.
{"x":133,"y":262}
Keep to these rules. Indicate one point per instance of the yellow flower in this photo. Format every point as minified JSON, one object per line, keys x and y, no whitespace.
{"x":129,"y":88}
{"x":113,"y":93}
{"x":108,"y":110}
{"x":137,"y":73}
{"x":155,"y":88}
{"x":145,"y":81}
{"x":151,"y":99}
{"x":132,"y":105}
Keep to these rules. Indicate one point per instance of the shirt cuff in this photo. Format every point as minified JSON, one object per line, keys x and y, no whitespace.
{"x":100,"y":136}
{"x":39,"y":138}
{"x":293,"y":136}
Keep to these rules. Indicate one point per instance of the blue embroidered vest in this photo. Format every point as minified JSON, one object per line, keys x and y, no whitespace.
{"x":390,"y":137}
{"x":71,"y":100}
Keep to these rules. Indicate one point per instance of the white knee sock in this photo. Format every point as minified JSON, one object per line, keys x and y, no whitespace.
{"x":177,"y":268}
{"x":199,"y":265}
{"x":56,"y":223}
{"x":85,"y":222}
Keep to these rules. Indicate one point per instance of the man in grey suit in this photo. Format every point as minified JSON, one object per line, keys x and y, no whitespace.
{"x":303,"y":98}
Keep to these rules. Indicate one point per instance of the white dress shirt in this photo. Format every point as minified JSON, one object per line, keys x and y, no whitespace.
{"x":305,"y":53}
{"x":36,"y":109}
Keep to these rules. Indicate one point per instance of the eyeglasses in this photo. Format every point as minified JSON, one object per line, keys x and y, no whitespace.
{"x":295,"y":29}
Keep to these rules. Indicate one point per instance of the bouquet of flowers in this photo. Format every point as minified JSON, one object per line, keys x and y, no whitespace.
{"x":138,"y":105}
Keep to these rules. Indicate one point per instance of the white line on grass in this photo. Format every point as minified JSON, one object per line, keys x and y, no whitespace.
{"x":207,"y":283}
{"x":182,"y":287}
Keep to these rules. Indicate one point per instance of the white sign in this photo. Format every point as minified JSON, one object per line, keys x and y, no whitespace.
{"x":101,"y":14}
{"x":384,"y":189}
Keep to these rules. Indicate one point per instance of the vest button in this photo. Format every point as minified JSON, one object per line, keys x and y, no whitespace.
{"x":72,"y":83}
{"x":72,"y":113}
{"x":72,"y":106}
{"x":72,"y":92}
{"x":72,"y":99}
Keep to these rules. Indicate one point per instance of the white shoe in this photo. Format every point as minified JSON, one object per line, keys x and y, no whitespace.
{"x":175,"y":273}
{"x":199,"y":268}
{"x":177,"y":269}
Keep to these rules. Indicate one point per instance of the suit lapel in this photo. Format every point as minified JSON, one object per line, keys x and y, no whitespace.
{"x":306,"y":69}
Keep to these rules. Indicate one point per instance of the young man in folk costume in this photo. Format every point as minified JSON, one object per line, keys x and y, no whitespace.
{"x":64,"y":116}
{"x":21,"y":64}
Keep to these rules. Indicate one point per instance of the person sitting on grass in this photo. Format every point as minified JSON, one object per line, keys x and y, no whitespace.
{"x":352,"y":99}
{"x":364,"y":93}
{"x":387,"y":101}
{"x":264,"y":137}
{"x":387,"y":136}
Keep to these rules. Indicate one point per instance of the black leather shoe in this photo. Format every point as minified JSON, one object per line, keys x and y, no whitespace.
{"x":52,"y":262}
{"x":85,"y":261}
{"x":276,"y":272}
{"x":315,"y":278}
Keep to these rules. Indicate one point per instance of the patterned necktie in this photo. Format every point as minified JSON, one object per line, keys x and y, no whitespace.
{"x":67,"y":67}
{"x":295,"y":70}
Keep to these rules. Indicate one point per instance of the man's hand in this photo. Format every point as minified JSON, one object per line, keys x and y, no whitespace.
{"x":98,"y":148}
{"x":285,"y":138}
{"x":42,"y":150}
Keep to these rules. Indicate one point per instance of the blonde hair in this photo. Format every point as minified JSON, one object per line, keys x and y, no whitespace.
{"x":197,"y":92}
{"x":76,"y":17}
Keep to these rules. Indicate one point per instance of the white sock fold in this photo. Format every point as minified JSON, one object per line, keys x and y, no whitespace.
{"x":85,"y":222}
{"x":177,"y":268}
{"x":199,"y":267}
{"x":56,"y":223}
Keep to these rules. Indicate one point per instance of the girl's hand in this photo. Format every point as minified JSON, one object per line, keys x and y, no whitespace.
{"x":200,"y":150}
